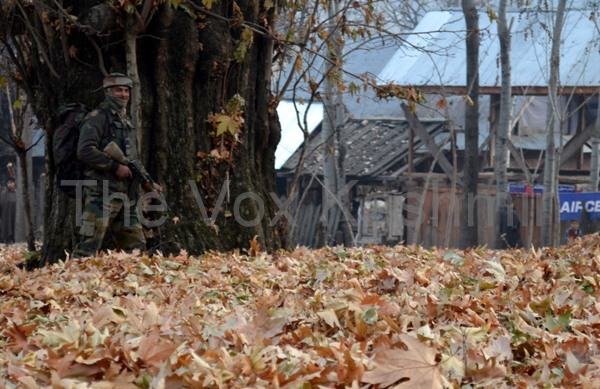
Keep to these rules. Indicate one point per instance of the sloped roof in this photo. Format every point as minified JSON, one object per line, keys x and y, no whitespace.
{"x":435,"y":54}
{"x":373,"y":148}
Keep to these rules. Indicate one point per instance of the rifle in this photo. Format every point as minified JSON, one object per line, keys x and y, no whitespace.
{"x":138,"y":171}
{"x":148,"y":185}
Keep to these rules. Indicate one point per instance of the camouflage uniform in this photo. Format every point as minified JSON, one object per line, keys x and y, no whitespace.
{"x":111,"y":203}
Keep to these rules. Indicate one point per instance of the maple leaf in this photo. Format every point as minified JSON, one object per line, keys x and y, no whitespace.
{"x":19,"y":335}
{"x":154,"y":350}
{"x":225,"y":124}
{"x":411,"y":368}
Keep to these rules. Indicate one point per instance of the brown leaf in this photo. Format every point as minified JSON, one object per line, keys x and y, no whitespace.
{"x":154,"y":350}
{"x":411,"y":368}
{"x":254,"y":247}
{"x":19,"y":335}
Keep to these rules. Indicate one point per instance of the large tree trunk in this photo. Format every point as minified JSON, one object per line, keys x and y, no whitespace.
{"x":186,"y":74}
{"x":471,"y":154}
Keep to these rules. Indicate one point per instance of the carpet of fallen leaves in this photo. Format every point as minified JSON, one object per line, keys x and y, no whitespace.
{"x":337,"y":317}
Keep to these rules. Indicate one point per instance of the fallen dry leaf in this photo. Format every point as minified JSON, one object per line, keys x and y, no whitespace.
{"x":334,"y":317}
{"x":414,"y":367}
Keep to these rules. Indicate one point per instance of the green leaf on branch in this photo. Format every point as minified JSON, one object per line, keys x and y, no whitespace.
{"x":246,"y":41}
{"x":19,"y":102}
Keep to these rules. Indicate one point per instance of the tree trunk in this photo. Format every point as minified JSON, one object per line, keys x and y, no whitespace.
{"x":505,"y":117}
{"x":186,"y":74}
{"x":26,"y":184}
{"x":595,"y":142}
{"x":550,"y":165}
{"x":333,"y":167}
{"x":471,"y":154}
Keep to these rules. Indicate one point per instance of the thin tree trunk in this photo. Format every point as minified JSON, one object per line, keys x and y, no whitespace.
{"x":594,"y":163}
{"x":136,"y":91}
{"x":24,"y":173}
{"x":504,"y":121}
{"x":550,"y":165}
{"x":331,"y":124}
{"x":471,"y":155}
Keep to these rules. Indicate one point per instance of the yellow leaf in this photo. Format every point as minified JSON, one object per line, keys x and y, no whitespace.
{"x":226,"y":124}
{"x":492,"y":15}
{"x":411,"y":368}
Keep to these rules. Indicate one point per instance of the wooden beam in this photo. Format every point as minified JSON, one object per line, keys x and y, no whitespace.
{"x":433,"y":148}
{"x":516,"y":90}
{"x":575,"y":144}
{"x":520,"y":161}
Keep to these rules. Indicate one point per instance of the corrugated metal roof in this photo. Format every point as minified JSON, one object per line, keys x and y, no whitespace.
{"x":538,"y":142}
{"x":435,"y":54}
{"x":373,"y":147}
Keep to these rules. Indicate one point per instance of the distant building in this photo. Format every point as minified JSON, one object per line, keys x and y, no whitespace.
{"x":420,"y":155}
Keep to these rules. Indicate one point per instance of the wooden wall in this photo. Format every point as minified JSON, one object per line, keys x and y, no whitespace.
{"x":433,"y":216}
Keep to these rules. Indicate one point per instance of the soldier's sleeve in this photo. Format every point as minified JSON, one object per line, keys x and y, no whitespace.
{"x":91,"y":132}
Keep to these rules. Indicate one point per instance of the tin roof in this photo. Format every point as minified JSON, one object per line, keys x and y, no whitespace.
{"x":373,"y":148}
{"x":435,"y":55}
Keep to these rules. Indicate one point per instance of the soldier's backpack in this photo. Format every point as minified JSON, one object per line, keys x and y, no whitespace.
{"x":64,"y":144}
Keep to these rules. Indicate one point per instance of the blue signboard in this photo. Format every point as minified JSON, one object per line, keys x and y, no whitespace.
{"x":537,"y":189}
{"x":573,"y":204}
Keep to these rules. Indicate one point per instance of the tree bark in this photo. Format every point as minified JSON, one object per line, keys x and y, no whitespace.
{"x":471,"y":153}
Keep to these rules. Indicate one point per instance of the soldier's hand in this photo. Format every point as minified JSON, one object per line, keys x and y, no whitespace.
{"x":123,"y":172}
{"x":157,"y":188}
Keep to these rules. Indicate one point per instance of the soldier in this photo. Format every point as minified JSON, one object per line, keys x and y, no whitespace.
{"x":510,"y":227}
{"x":8,"y":211}
{"x":110,"y":201}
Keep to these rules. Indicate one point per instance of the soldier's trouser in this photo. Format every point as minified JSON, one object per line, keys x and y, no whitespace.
{"x":100,"y":216}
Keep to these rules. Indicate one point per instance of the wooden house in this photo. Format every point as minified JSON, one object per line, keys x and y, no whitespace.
{"x":388,"y":149}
